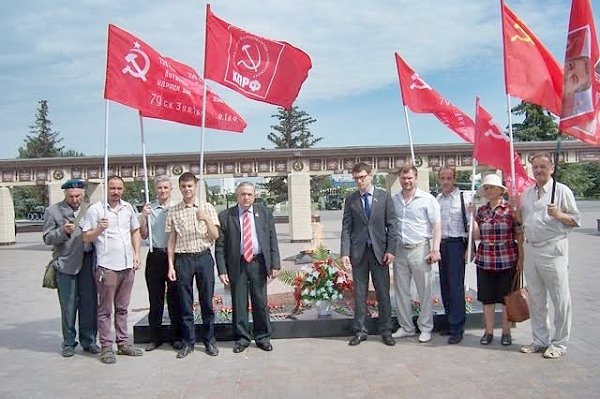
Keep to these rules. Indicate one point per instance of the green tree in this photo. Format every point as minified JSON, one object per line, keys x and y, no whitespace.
{"x":292,"y":131}
{"x":42,"y":141}
{"x":538,"y":124}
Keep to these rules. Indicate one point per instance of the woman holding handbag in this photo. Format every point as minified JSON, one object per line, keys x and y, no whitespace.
{"x":498,"y":254}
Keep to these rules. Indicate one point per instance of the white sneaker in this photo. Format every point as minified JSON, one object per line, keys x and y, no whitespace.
{"x":402,"y":333}
{"x":425,"y":337}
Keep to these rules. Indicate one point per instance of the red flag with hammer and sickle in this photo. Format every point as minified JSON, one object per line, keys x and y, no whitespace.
{"x":159,"y":87}
{"x":265,"y":70}
{"x":419,"y":97}
{"x":530,"y":71}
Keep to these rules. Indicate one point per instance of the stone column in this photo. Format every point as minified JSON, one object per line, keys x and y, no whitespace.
{"x":423,"y":179}
{"x":95,"y":191}
{"x":55,"y":193}
{"x":7,"y":218}
{"x":300,"y":212}
{"x":392,"y":183}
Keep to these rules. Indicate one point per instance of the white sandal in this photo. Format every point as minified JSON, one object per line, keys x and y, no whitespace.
{"x":552,"y":353}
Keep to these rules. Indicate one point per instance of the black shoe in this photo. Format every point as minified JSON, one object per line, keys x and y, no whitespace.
{"x":177,"y":345}
{"x":506,"y":340}
{"x":266,"y":346}
{"x":152,"y":345}
{"x":184,"y":351}
{"x":67,"y":351}
{"x":211,"y":349}
{"x":455,"y":339}
{"x":357,"y":339}
{"x":388,"y":340}
{"x":486,"y":339}
{"x":238,"y":347}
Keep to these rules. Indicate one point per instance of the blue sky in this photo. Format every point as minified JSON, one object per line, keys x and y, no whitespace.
{"x":56,"y":50}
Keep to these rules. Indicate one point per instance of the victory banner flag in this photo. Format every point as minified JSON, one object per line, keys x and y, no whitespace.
{"x":261,"y":69}
{"x":159,"y":87}
{"x":531,"y":72}
{"x":492,"y":147}
{"x":581,"y":89}
{"x":419,"y":97}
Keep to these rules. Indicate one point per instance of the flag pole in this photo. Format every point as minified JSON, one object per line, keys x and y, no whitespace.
{"x":106,"y":113}
{"x":470,"y":240}
{"x":145,"y":163}
{"x":410,"y":140}
{"x":203,"y":122}
{"x":512,"y":148}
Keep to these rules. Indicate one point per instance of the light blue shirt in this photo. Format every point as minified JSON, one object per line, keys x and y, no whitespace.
{"x":158,"y":219}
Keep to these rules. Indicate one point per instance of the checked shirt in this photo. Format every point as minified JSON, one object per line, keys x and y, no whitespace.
{"x":498,"y":249}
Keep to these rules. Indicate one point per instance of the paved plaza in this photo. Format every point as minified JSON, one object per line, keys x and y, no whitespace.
{"x":31,"y":366}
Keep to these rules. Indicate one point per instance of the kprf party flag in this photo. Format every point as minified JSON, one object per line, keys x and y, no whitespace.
{"x":419,"y":97}
{"x":266,"y":70}
{"x":581,"y":89}
{"x":160,"y":87}
{"x":492,"y":147}
{"x":530,"y":71}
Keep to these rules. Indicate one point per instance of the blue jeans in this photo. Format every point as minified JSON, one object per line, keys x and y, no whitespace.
{"x":452,"y":283}
{"x":201,"y":266}
{"x":77,"y":297}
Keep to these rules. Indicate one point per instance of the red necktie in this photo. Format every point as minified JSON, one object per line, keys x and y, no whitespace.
{"x":247,"y":238}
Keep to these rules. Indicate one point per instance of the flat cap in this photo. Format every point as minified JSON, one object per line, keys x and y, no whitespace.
{"x":73,"y":183}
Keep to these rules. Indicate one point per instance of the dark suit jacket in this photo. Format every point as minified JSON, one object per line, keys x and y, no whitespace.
{"x":381,"y":226}
{"x":227,"y":247}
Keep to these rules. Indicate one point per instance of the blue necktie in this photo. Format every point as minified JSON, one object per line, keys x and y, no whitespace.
{"x":367,"y":204}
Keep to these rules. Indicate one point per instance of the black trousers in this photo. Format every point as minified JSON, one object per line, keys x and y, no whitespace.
{"x":381,"y":281}
{"x":202,"y":267}
{"x":158,"y":284}
{"x":253,"y":280}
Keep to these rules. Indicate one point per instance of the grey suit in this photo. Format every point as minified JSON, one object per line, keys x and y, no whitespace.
{"x":381,"y":230}
{"x":251,"y":276}
{"x":76,"y":288}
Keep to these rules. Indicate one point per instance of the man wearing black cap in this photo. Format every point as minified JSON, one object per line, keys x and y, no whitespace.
{"x":74,"y":262}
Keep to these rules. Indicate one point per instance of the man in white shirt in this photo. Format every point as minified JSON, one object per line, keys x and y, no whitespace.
{"x":546,"y":224}
{"x":113,"y":227}
{"x":418,"y":216}
{"x":452,"y":250}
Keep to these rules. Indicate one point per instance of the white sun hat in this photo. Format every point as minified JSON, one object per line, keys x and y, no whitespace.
{"x":492,"y":180}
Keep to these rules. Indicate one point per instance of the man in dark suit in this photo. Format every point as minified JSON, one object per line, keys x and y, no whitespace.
{"x":368,"y":245}
{"x":247,"y":253}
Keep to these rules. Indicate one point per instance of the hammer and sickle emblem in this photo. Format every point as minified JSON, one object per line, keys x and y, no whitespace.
{"x":418,"y":83}
{"x":134,"y":68}
{"x":250,"y":63}
{"x":524,"y":38}
{"x":492,"y":133}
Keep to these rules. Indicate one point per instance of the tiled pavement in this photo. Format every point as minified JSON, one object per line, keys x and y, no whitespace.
{"x":30,"y":365}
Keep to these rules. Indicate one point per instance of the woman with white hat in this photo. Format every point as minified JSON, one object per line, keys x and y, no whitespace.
{"x":497,"y":256}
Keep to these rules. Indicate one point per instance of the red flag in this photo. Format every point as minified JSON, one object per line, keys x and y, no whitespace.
{"x":419,"y":97}
{"x":492,"y":148}
{"x":159,"y":87}
{"x":258,"y":68}
{"x":530,"y":71}
{"x":581,"y":90}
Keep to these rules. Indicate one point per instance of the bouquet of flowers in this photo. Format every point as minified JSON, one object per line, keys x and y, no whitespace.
{"x":323,"y":280}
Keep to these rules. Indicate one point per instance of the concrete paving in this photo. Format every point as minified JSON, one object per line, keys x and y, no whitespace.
{"x":31,"y":366}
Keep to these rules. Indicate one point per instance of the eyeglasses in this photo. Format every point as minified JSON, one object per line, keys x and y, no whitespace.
{"x":361,"y":177}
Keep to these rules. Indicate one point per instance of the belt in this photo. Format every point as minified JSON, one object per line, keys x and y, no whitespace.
{"x":411,"y":246}
{"x":155,"y":249}
{"x":194,"y":254}
{"x":546,"y":242}
{"x":257,"y":256}
{"x":497,"y":243}
{"x":453,"y":239}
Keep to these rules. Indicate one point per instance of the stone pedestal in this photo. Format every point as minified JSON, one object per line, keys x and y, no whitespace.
{"x":300,"y":212}
{"x":55,"y":193}
{"x":7,"y":218}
